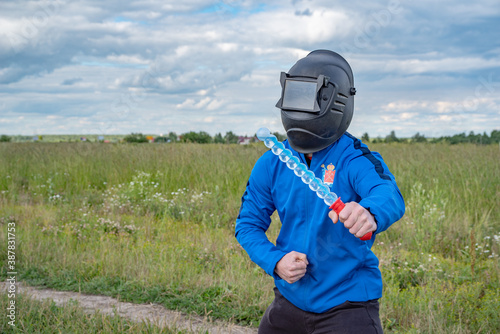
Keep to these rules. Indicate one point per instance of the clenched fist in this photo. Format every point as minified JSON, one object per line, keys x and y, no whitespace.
{"x":292,"y":267}
{"x":357,"y":219}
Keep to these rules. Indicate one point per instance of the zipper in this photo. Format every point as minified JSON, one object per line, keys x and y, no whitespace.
{"x":306,"y":296}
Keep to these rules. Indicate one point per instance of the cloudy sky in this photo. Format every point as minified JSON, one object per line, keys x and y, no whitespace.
{"x":115,"y":67}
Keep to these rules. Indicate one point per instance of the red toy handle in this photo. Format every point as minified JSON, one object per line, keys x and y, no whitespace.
{"x":339,"y":206}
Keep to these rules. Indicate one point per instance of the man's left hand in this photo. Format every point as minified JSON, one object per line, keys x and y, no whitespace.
{"x":357,"y":219}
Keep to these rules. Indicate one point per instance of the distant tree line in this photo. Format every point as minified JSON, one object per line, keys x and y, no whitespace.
{"x":203,"y":137}
{"x":479,"y":139}
{"x":5,"y":138}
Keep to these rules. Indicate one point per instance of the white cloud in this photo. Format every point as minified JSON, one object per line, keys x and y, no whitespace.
{"x":289,"y":29}
{"x":214,"y":66}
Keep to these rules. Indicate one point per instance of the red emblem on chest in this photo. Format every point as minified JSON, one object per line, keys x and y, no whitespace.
{"x":329,"y":174}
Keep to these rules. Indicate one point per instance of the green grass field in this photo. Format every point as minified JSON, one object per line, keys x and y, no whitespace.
{"x":155,"y":223}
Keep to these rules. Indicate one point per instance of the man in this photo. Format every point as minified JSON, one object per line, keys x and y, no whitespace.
{"x":327,"y":279}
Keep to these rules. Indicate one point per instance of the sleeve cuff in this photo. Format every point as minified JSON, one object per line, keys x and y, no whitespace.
{"x":276,"y":258}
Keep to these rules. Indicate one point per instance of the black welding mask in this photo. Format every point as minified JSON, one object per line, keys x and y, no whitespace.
{"x":317,"y":100}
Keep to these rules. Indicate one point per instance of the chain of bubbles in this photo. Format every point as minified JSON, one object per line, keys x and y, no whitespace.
{"x":300,"y":169}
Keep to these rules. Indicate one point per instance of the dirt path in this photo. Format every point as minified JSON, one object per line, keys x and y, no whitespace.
{"x":156,"y":314}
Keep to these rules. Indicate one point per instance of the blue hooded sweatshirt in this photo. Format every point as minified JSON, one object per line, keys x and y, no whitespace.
{"x":341,"y":267}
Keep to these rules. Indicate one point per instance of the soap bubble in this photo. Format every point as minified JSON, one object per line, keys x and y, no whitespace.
{"x":285,"y":155}
{"x":292,"y":163}
{"x":330,"y":199}
{"x":278,"y":148}
{"x":323,"y":192}
{"x":308,"y":177}
{"x":300,"y":170}
{"x":315,"y":184}
{"x":263,"y":133}
{"x":270,"y":141}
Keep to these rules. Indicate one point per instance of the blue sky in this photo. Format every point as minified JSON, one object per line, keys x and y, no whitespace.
{"x":113,"y":67}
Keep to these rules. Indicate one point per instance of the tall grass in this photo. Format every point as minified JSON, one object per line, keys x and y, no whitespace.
{"x":154,"y":223}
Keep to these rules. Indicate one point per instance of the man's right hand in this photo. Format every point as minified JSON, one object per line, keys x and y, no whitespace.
{"x":292,"y":267}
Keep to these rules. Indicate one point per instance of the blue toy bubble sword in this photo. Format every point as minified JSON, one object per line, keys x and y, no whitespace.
{"x":300,"y":169}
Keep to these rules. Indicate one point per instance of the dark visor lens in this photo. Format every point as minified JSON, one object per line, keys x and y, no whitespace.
{"x":299,"y":95}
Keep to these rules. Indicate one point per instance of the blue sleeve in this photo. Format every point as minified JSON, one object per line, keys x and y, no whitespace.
{"x":254,"y":219}
{"x":376,"y":186}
